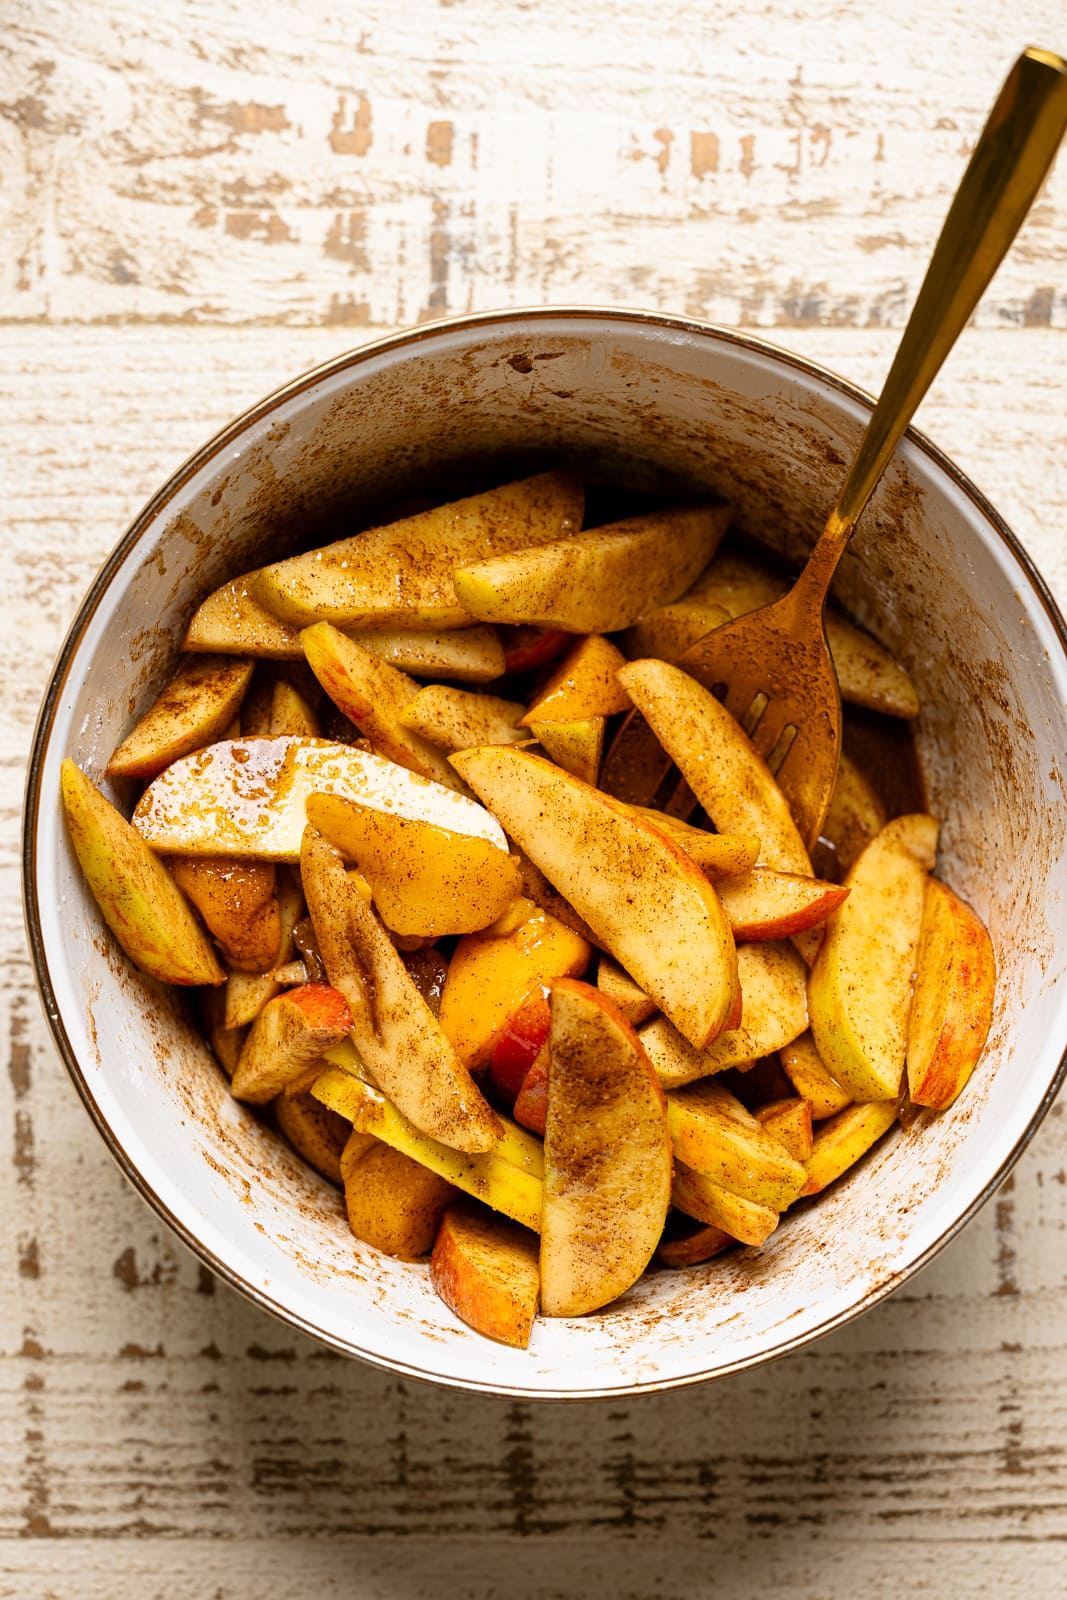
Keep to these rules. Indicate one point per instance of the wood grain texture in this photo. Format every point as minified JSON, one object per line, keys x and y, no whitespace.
{"x":200,"y":202}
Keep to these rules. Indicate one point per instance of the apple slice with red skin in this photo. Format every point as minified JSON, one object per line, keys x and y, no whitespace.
{"x":607,"y":1155}
{"x":518,"y":1046}
{"x":583,"y":686}
{"x":952,"y":1004}
{"x":485,"y":1270}
{"x":531,"y":1102}
{"x":287,"y":1038}
{"x":526,"y":646}
{"x":764,"y":904}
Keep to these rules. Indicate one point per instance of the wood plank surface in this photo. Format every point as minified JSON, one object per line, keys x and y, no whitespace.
{"x":200,"y":202}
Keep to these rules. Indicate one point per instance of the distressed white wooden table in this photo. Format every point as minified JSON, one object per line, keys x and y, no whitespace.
{"x":202,"y":199}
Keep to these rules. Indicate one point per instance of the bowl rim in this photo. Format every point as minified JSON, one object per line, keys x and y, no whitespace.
{"x":402,"y":340}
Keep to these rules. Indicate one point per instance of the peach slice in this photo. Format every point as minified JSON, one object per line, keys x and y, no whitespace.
{"x":839,"y":1143}
{"x":713,"y":1133}
{"x":317,"y":1134}
{"x":952,"y":1006}
{"x":583,"y":686}
{"x":485,"y":1270}
{"x":789,"y":1121}
{"x":804,"y":1068}
{"x":239,"y":902}
{"x":457,"y":719}
{"x":860,"y":988}
{"x":597,"y":581}
{"x":138,"y":898}
{"x":642,"y":896}
{"x":763,"y":904}
{"x":575,"y":746}
{"x":393,"y":1028}
{"x":717,"y":760}
{"x":195,"y":707}
{"x":774,"y":1011}
{"x":425,"y":880}
{"x":607,"y":1156}
{"x":394,"y":1203}
{"x":701,"y":1197}
{"x":289,"y":1035}
{"x":400,"y":575}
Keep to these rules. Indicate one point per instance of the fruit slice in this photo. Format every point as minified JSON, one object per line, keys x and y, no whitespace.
{"x":289,"y":1035}
{"x":860,"y":986}
{"x":718,"y":855}
{"x":138,"y":898}
{"x":690,"y":1248}
{"x":225,"y":1042}
{"x":394,"y":1203}
{"x":531,"y":1102}
{"x":510,"y":1183}
{"x":467,"y":655}
{"x":238,"y":900}
{"x":317,"y":1134}
{"x":393,"y":1028}
{"x":701,"y":1197}
{"x":526,"y":648}
{"x":804,"y":1068}
{"x":712,"y":1132}
{"x":856,"y":814}
{"x":524,"y":1037}
{"x":373,"y":695}
{"x":644,"y":899}
{"x":764,"y":904}
{"x":789,"y":1121}
{"x":623,"y":992}
{"x":598,"y":581}
{"x":194,"y":708}
{"x":247,"y":994}
{"x":426,"y":880}
{"x":952,"y":1006}
{"x":231,"y":621}
{"x":840,"y":1143}
{"x":732,"y":782}
{"x":456,"y":719}
{"x":400,"y":575}
{"x":485,"y":1270}
{"x":290,"y":713}
{"x":668,"y":631}
{"x":607,"y":1156}
{"x":575,"y":746}
{"x":492,"y":975}
{"x":774,"y":1011}
{"x":248,"y":798}
{"x":584,"y":685}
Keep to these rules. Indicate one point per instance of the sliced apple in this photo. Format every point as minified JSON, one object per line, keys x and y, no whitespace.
{"x":855,"y":815}
{"x":952,"y":1005}
{"x":492,"y":975}
{"x":247,"y":993}
{"x":575,"y":746}
{"x":622,"y":991}
{"x":289,"y":1036}
{"x":728,"y":777}
{"x":718,"y":855}
{"x":774,"y":1011}
{"x":668,"y":631}
{"x":583,"y":686}
{"x":230,"y":621}
{"x":526,"y":648}
{"x":317,"y":1134}
{"x":195,"y":707}
{"x":138,"y":898}
{"x":425,"y":880}
{"x":290,"y":713}
{"x":712,"y":1132}
{"x":395,"y":1204}
{"x":693,"y":1246}
{"x":510,"y":1183}
{"x":536,"y":887}
{"x":531,"y":1102}
{"x":239,"y":902}
{"x":868,"y":674}
{"x":840,"y":1143}
{"x":524,"y":1037}
{"x":373,"y":695}
{"x":804,"y":1068}
{"x":485,"y":1270}
{"x":701,"y":1197}
{"x":467,"y":655}
{"x":226,"y":1043}
{"x":457,"y":719}
{"x":643,"y":897}
{"x":597,"y":581}
{"x":247,"y":798}
{"x":789,"y":1121}
{"x":861,"y":985}
{"x":356,"y":1144}
{"x":393,"y":1029}
{"x":400,"y":575}
{"x":607,"y":1156}
{"x":763,"y":904}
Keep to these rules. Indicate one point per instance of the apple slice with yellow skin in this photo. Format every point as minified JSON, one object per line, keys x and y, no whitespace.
{"x":247,"y":798}
{"x":400,"y":575}
{"x":511,"y":1186}
{"x":860,"y":988}
{"x":196,"y":706}
{"x":239,"y":902}
{"x":395,"y":1204}
{"x":839,"y":1143}
{"x":485,"y":1270}
{"x":789,"y":1121}
{"x":597,"y":581}
{"x":491,"y":976}
{"x":952,"y":1006}
{"x":138,"y":898}
{"x":855,"y":815}
{"x":425,"y":880}
{"x":575,"y":746}
{"x":393,"y":1029}
{"x":607,"y":1155}
{"x":774,"y":1011}
{"x":668,"y":631}
{"x":623,"y":992}
{"x":712,"y":1132}
{"x":230,"y":621}
{"x":457,"y":719}
{"x":718,"y":855}
{"x":289,"y":1035}
{"x":645,"y":900}
{"x":583,"y":685}
{"x":317,"y":1134}
{"x":695,"y":1245}
{"x":701,"y":1197}
{"x":732,"y":782}
{"x":374,"y":696}
{"x":763,"y":904}
{"x":867,"y":673}
{"x":804,"y":1068}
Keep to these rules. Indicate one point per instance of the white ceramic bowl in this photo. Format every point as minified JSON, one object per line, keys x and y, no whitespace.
{"x":646,"y":401}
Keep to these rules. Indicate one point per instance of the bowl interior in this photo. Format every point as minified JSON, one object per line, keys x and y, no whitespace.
{"x":645,"y":404}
